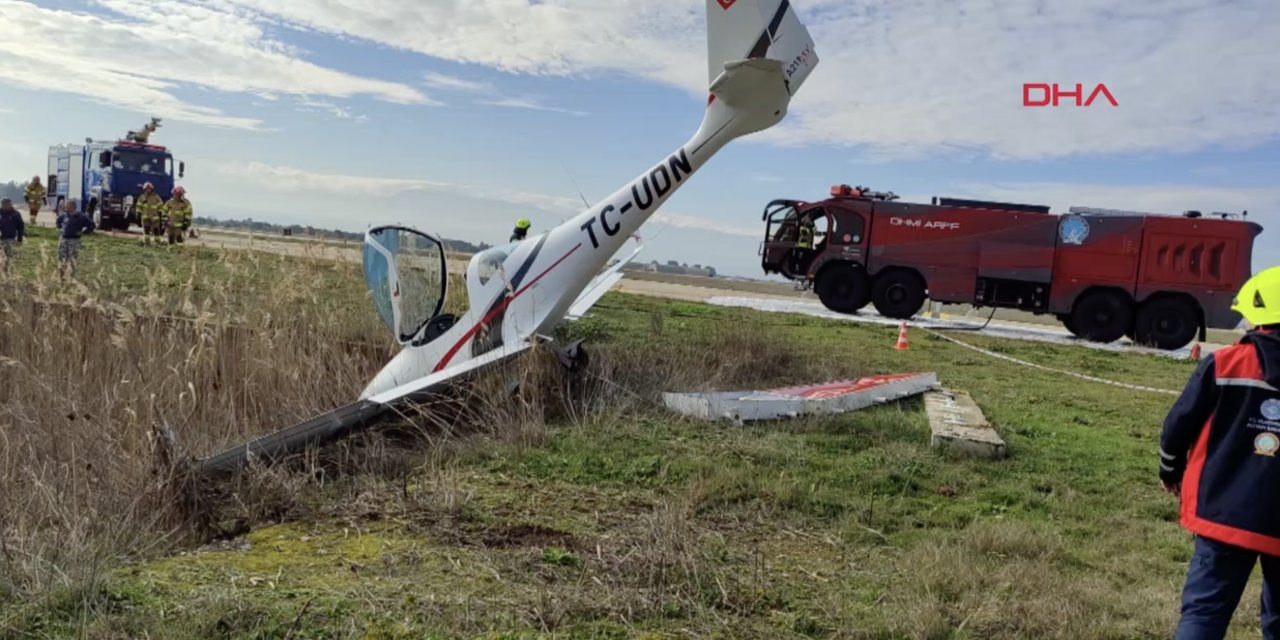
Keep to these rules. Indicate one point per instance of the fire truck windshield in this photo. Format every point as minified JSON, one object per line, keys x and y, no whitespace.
{"x":141,"y":163}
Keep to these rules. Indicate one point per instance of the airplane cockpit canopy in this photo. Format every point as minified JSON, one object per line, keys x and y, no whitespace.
{"x":407,"y":277}
{"x":488,"y":263}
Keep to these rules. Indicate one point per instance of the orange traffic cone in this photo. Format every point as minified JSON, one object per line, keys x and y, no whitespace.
{"x":902,"y":338}
{"x":1195,"y":351}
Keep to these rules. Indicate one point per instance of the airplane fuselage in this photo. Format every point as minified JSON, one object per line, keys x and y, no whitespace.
{"x":544,"y":274}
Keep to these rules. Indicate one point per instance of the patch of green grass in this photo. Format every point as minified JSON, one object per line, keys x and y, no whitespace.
{"x":637,"y":523}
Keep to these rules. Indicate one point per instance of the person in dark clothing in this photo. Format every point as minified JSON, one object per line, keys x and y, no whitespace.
{"x":73,"y":223}
{"x":1218,"y":451}
{"x":12,"y":232}
{"x":521,"y":231}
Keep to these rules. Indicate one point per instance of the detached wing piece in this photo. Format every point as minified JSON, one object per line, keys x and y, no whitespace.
{"x":599,"y":286}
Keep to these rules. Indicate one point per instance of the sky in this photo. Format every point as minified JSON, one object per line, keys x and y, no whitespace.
{"x":459,"y":116}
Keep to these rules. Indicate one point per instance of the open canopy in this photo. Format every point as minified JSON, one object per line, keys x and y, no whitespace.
{"x":407,"y":276}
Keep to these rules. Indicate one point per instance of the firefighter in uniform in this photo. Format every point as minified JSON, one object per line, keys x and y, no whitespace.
{"x":1220,"y":451}
{"x":521,"y":231}
{"x":150,"y":208}
{"x":804,"y":245}
{"x":178,"y":215}
{"x":34,"y":195}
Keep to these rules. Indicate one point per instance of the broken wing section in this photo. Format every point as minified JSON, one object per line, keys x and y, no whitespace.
{"x":436,"y":380}
{"x":407,"y":277}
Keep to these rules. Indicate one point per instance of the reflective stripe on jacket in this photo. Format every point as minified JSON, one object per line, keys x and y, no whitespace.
{"x":1222,"y":441}
{"x":150,"y":206}
{"x":179,"y":212}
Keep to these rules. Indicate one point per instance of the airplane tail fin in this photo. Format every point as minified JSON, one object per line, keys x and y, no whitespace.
{"x":758,"y":55}
{"x":759,"y":30}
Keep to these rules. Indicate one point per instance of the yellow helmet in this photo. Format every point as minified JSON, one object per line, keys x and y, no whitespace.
{"x":522,"y":223}
{"x":1259,"y":298}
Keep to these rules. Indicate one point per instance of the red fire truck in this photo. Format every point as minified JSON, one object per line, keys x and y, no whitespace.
{"x":1161,"y":280}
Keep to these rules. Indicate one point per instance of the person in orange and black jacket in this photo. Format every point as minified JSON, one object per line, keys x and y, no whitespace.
{"x":1220,"y":451}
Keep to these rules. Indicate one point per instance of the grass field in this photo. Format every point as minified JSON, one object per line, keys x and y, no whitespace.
{"x":571,"y":509}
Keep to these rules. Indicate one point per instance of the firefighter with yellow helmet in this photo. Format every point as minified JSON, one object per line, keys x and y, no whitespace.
{"x":151,"y":210}
{"x":521,"y":231}
{"x":35,"y":195}
{"x":178,"y":215}
{"x":1220,"y":452}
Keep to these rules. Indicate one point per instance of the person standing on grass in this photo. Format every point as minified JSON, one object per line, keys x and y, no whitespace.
{"x":1220,"y":451}
{"x":150,"y":208}
{"x":73,"y":223}
{"x":34,"y":195}
{"x":178,"y":215}
{"x":12,"y":230}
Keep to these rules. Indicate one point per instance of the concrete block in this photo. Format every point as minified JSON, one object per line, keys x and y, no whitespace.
{"x":957,"y":423}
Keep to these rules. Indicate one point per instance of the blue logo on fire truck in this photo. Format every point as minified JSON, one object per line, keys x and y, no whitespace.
{"x":1073,"y":230}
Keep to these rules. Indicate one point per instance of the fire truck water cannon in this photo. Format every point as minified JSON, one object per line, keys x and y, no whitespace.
{"x":1106,"y":274}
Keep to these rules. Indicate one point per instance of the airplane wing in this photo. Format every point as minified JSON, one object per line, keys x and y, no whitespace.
{"x":599,"y":286}
{"x":347,"y":419}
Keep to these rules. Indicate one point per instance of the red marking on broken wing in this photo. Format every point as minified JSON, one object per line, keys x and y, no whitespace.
{"x":725,"y":4}
{"x":711,"y":98}
{"x":453,"y":351}
{"x":842,"y":387}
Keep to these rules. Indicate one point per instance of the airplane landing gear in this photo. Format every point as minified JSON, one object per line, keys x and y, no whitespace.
{"x":574,"y":357}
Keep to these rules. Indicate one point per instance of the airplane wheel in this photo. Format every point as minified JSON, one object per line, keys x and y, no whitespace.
{"x":574,"y":357}
{"x":842,"y":288}
{"x":1102,"y":316}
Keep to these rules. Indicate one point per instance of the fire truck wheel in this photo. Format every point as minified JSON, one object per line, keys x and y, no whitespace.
{"x":842,"y":287}
{"x":898,"y":294}
{"x":1166,"y":323}
{"x":1065,"y":319}
{"x":1102,"y":316}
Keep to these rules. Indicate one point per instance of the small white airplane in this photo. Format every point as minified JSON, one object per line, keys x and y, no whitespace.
{"x":759,"y":54}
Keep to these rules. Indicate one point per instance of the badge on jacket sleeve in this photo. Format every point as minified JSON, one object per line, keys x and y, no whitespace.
{"x":1266,"y":444}
{"x":1271,"y":409}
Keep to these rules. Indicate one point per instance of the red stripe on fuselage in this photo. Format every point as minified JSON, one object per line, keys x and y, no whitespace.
{"x":453,"y":351}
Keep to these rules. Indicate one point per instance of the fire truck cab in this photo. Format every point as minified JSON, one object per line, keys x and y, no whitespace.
{"x":1105,"y":274}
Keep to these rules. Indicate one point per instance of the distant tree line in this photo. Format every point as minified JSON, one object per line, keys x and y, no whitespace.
{"x":257,"y":226}
{"x":13,"y":191}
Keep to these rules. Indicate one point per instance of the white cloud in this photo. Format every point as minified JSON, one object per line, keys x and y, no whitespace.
{"x":495,"y":99}
{"x":295,"y":180}
{"x":139,"y":61}
{"x":914,"y":77}
{"x":901,"y":77}
{"x":529,"y":103}
{"x":898,"y":78}
{"x":681,"y":221}
{"x":454,"y":83}
{"x":326,"y":107}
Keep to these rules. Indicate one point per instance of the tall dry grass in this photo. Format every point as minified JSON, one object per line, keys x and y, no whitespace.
{"x":96,"y":375}
{"x":90,"y":373}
